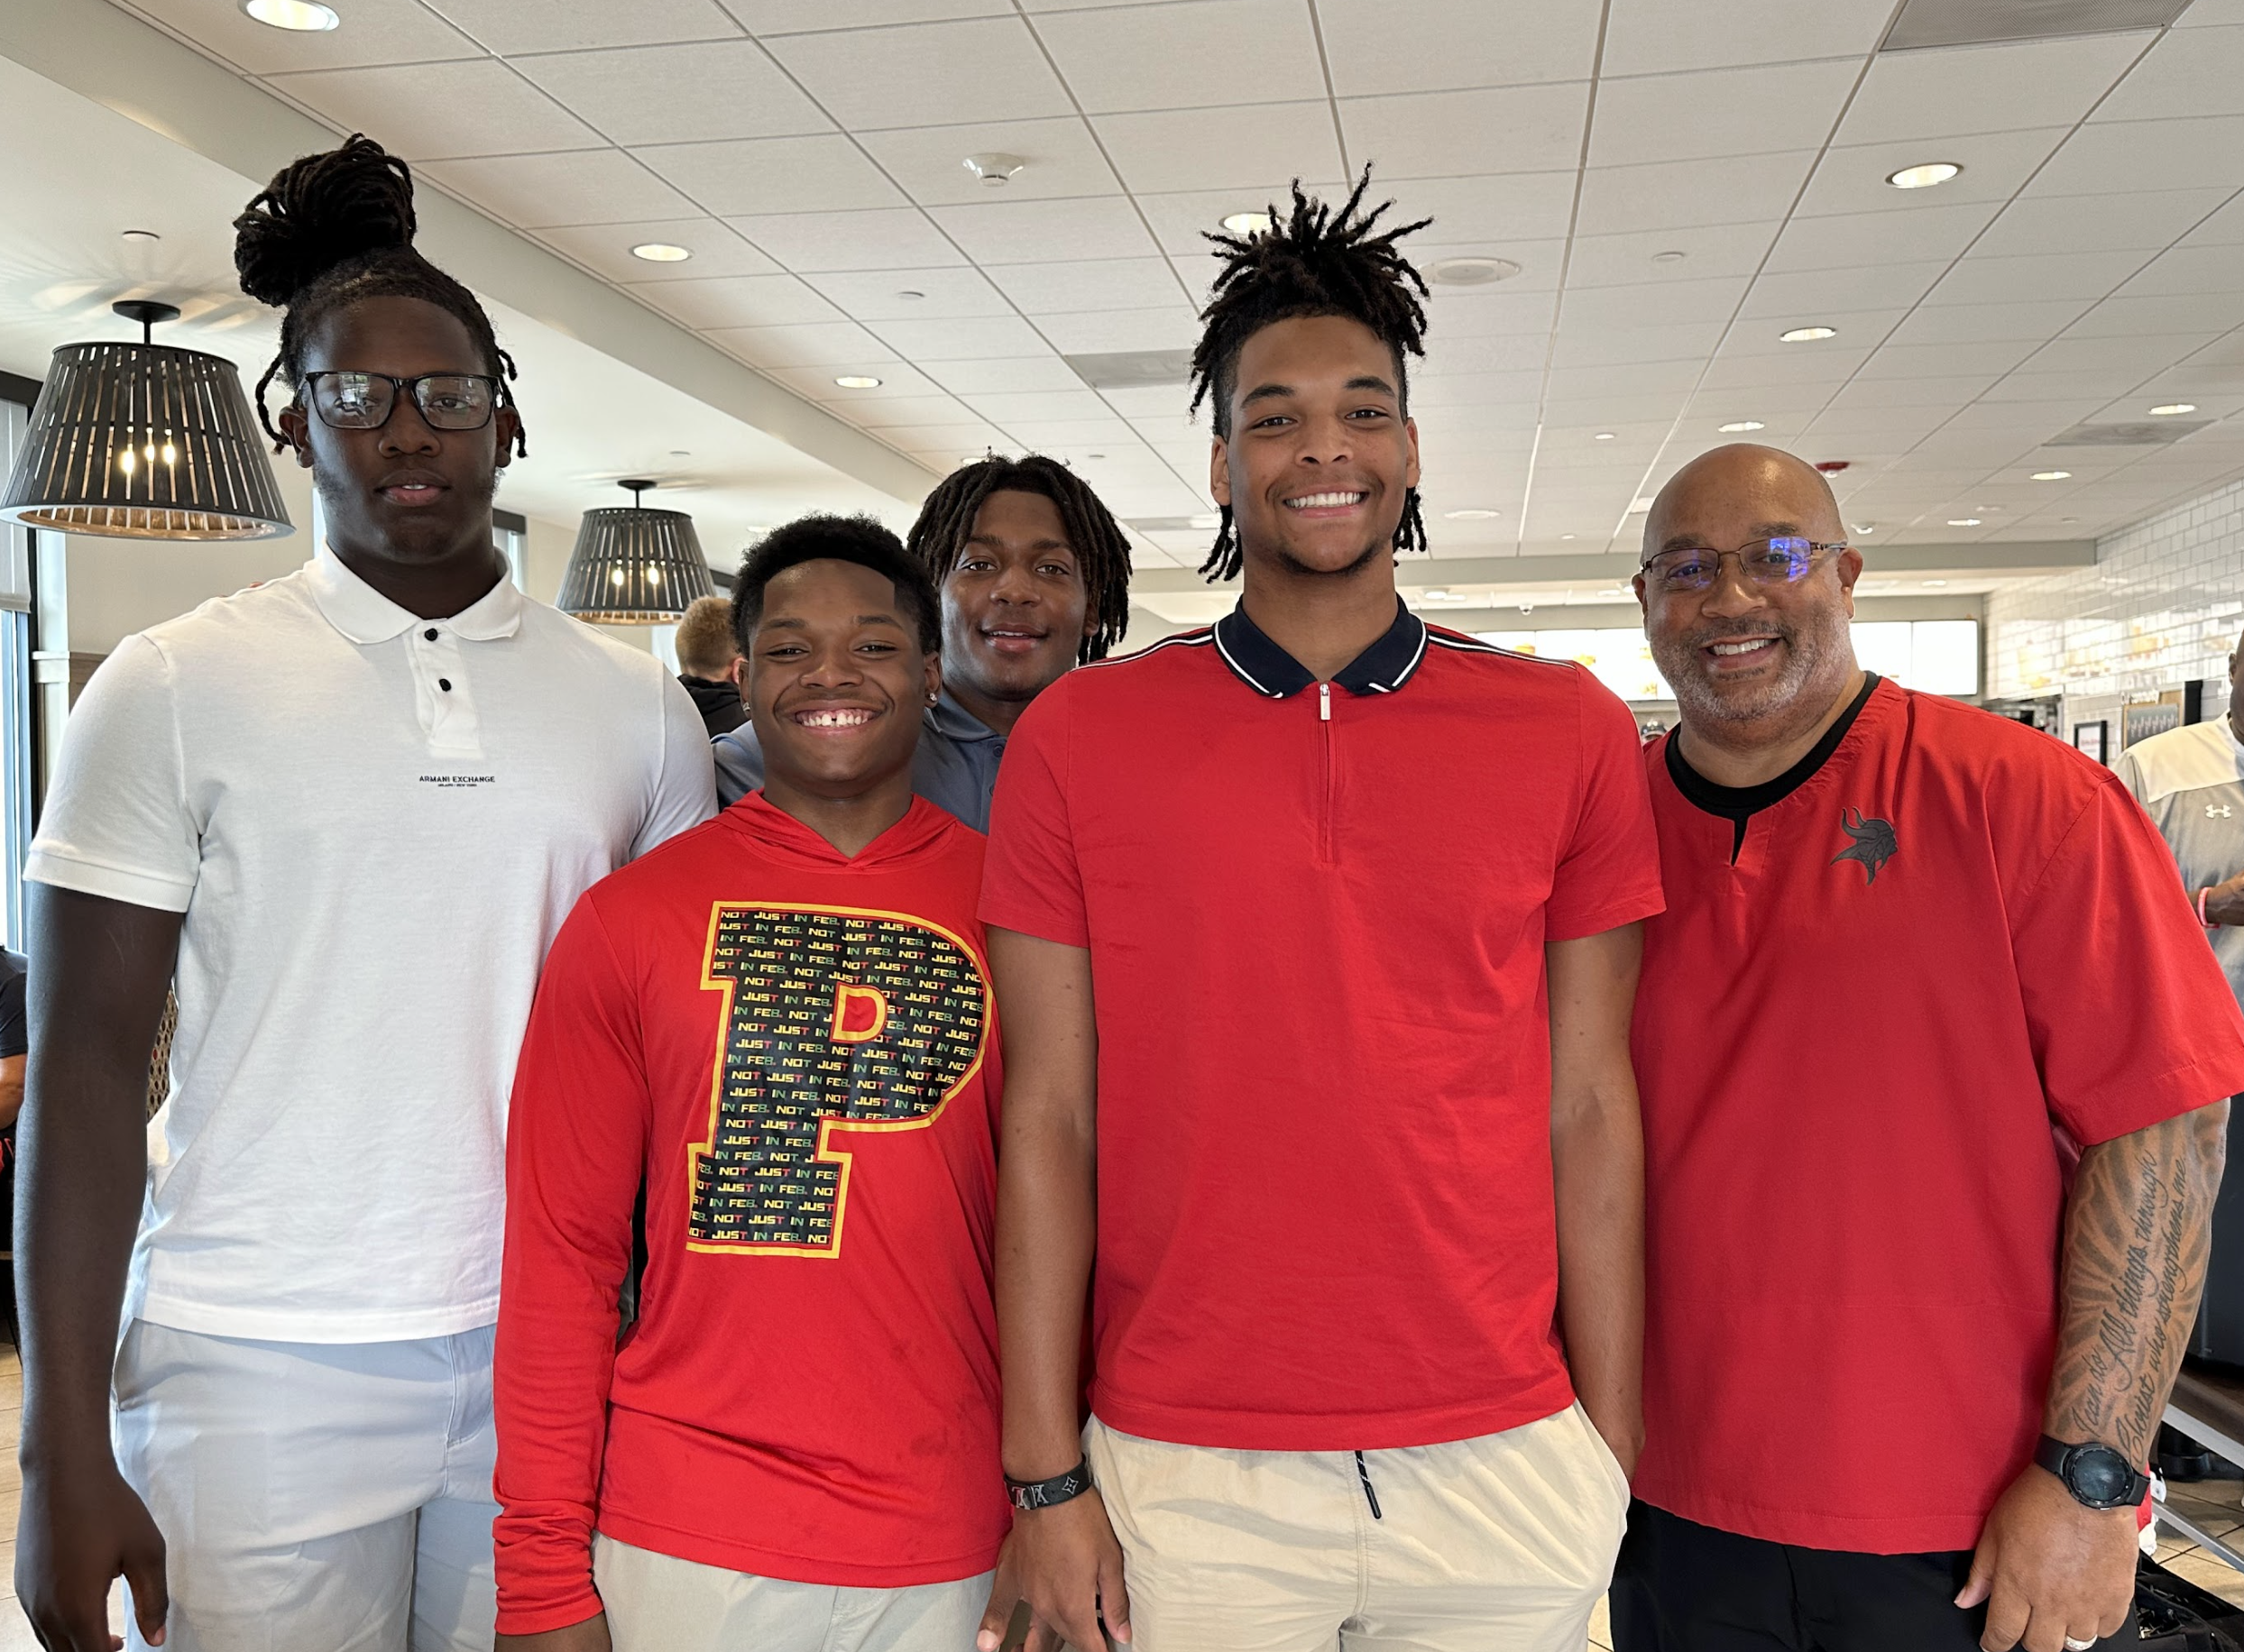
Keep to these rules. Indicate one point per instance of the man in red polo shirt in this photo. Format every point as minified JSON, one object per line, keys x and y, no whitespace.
{"x":1915,"y":960}
{"x":1314,"y":934}
{"x":781,"y":1019}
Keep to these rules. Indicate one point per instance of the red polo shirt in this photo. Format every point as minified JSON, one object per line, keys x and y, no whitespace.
{"x":1316,"y":915}
{"x":1855,"y":1046}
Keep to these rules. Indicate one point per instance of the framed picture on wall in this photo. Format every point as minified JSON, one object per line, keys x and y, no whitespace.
{"x":2091,"y":738}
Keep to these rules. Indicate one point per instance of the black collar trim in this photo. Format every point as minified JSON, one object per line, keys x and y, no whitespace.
{"x":1270,"y":671}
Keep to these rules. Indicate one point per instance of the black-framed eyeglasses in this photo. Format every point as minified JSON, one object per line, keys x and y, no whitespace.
{"x":1781,"y":559}
{"x":352,"y":400}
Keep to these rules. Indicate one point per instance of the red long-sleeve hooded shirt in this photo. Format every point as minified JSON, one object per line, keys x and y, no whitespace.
{"x":797,"y":1049}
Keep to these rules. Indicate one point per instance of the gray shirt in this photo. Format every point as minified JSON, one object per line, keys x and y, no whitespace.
{"x":2191,"y":782}
{"x":955,"y":767}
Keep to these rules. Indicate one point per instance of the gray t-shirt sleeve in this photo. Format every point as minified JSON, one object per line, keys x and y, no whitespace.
{"x":739,"y":759}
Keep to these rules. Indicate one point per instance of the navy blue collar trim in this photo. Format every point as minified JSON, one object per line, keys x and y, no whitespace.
{"x":1270,"y":671}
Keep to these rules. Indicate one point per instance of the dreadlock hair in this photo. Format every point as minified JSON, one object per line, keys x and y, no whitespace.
{"x":1102,"y":550}
{"x":334,"y":228}
{"x":1313,"y":262}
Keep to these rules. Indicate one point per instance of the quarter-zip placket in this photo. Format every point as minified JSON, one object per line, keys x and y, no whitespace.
{"x":1326,"y":776}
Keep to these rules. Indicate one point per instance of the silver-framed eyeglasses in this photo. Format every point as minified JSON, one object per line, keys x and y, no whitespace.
{"x":352,"y":400}
{"x":1782,"y":559}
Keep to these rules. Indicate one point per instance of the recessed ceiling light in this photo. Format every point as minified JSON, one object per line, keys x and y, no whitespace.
{"x":2051,"y":475}
{"x":1438,"y":595}
{"x":1603,"y":436}
{"x":1738,"y":426}
{"x":993,"y":168}
{"x":1963,"y":521}
{"x":681,"y":453}
{"x":1471,"y":271}
{"x":911,"y":293}
{"x":1936,"y":584}
{"x":1923,"y":176}
{"x":1639,"y":505}
{"x":299,"y":16}
{"x":1806,"y":336}
{"x":1206,"y":518}
{"x":1473,"y":513}
{"x":1865,"y":528}
{"x":138,"y":235}
{"x":1566,"y":535}
{"x":1669,"y":257}
{"x":1248,"y":223}
{"x":2167,"y":409}
{"x":1094,"y":455}
{"x":660,"y":253}
{"x":857,"y":382}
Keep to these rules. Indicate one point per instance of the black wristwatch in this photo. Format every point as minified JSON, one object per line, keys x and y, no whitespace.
{"x":2098,"y":1477}
{"x":1028,"y":1494}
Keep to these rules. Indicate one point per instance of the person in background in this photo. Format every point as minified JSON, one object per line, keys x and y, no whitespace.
{"x":1035,"y":575}
{"x":1901,"y":1378}
{"x":2191,"y":782}
{"x":14,"y":1043}
{"x":795,"y":1448}
{"x":348,"y":809}
{"x":709,"y":664}
{"x":1314,"y":935}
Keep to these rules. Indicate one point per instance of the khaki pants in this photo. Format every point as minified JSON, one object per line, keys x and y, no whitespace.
{"x":1499,"y":1544}
{"x":660,"y":1603}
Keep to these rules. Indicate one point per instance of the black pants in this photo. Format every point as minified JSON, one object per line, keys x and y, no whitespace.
{"x":1683,"y":1587}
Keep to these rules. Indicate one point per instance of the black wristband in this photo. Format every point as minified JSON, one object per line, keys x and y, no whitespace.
{"x":1028,"y":1494}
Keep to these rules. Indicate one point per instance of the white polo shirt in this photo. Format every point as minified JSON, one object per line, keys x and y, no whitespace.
{"x":373,"y":823}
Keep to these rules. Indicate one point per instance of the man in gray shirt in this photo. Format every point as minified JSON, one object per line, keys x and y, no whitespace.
{"x":1035,"y":579}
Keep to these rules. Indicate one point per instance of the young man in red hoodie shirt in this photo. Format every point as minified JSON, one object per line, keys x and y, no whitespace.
{"x":782,"y":1020}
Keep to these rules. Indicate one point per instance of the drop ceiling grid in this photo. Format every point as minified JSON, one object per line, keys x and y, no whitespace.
{"x":1413,"y":67}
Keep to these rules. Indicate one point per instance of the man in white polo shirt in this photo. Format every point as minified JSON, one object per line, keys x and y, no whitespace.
{"x":348,"y":809}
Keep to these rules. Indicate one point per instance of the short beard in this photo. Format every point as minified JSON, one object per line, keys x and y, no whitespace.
{"x":1809,"y":652}
{"x":1292,"y":565}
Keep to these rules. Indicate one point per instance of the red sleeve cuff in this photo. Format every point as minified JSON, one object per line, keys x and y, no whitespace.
{"x":1611,"y":915}
{"x":526,"y":1620}
{"x":1040,"y":921}
{"x":2141,"y":1104}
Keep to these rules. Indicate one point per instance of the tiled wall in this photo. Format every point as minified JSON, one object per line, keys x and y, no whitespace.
{"x":2162,"y":605}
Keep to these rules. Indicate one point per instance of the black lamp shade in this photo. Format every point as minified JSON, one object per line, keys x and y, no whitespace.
{"x":633,"y":566}
{"x":140,"y":441}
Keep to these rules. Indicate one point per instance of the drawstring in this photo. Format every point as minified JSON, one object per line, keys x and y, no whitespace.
{"x":1370,"y":1496}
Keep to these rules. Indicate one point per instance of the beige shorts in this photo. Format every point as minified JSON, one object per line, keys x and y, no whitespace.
{"x":660,"y":1603}
{"x":1503,"y":1542}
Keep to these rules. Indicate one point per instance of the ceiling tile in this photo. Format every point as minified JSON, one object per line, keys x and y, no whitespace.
{"x":1634,"y":378}
{"x":1169,"y":326}
{"x":605,"y":249}
{"x":1995,"y":165}
{"x":889,"y":413}
{"x":1492,"y":352}
{"x":925,"y":74}
{"x":897,"y":380}
{"x":2206,"y":270}
{"x":1180,"y":218}
{"x":429,"y":111}
{"x":1045,"y":232}
{"x":1005,"y":374}
{"x":1190,"y":57}
{"x":1050,"y":436}
{"x":835,"y":344}
{"x":1954,"y":91}
{"x":1646,"y":37}
{"x":2037,"y":224}
{"x":1202,"y":149}
{"x":1989,"y":357}
{"x":1948,"y":392}
{"x":748,"y":176}
{"x":1491,"y":396}
{"x":2198,"y":73}
{"x":2062,"y":275}
{"x":740,"y":301}
{"x":2137,"y":310}
{"x":1849,"y":239}
{"x":1007,"y":408}
{"x":1677,"y":194}
{"x":945,"y":294}
{"x":2206,"y":153}
{"x":1465,"y":312}
{"x":1716,"y":111}
{"x":1534,"y":128}
{"x":677,"y":93}
{"x":1063,"y":160}
{"x":1606,"y":346}
{"x":1440,"y":45}
{"x":1628,"y":258}
{"x":1081,"y":284}
{"x":1959,"y":324}
{"x":944,"y":446}
{"x":1881,"y":286}
{"x":964,"y":340}
{"x":806,"y":16}
{"x":381,"y":32}
{"x":1653,"y":303}
{"x":593,"y":186}
{"x":512,"y":27}
{"x":894,"y":238}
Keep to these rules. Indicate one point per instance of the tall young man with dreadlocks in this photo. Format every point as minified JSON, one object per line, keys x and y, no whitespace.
{"x":345,"y":810}
{"x":1036,"y":578}
{"x":1315,"y":937}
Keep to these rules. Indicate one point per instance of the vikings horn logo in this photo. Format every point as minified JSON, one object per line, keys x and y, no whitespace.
{"x":1874,"y":843}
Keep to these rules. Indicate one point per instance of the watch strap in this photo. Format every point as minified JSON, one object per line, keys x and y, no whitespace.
{"x":2058,"y":1457}
{"x":1027,"y":1495}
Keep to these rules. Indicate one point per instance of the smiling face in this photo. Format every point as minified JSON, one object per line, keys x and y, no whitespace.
{"x":1754,"y":659}
{"x":836,"y":679}
{"x":1320,"y":457}
{"x":1016,"y":608}
{"x":406,"y":495}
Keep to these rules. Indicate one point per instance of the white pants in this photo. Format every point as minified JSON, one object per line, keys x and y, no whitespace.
{"x":1499,"y":1543}
{"x":660,"y":1603}
{"x":314,"y":1497}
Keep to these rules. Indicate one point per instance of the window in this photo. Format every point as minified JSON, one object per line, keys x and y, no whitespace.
{"x":17,"y":738}
{"x":1934,"y":657}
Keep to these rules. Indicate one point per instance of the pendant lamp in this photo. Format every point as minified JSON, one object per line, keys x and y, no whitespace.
{"x":635,"y":566}
{"x":143,"y":441}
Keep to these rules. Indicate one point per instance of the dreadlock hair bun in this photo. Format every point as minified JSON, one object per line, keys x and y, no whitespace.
{"x":321,"y":212}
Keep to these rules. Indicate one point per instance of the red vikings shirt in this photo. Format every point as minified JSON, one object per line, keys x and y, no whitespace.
{"x":797,"y":1049}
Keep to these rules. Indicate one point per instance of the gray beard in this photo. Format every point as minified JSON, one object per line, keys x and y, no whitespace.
{"x":1809,"y":653}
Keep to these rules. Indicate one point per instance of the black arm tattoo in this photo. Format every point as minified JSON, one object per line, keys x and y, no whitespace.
{"x":2138,"y":1230}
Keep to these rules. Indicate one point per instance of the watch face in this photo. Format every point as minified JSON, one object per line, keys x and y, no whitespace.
{"x":2097,"y":1474}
